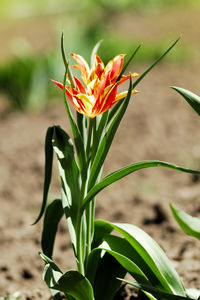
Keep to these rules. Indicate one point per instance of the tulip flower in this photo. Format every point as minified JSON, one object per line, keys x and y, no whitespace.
{"x":99,"y":91}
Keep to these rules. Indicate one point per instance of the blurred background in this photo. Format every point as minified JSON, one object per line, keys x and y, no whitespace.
{"x":160,"y":124}
{"x":30,"y":39}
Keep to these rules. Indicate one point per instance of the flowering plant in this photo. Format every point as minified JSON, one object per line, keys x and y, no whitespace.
{"x":101,"y":256}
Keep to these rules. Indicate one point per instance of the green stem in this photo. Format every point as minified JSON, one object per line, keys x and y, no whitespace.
{"x":79,"y":245}
{"x":89,"y":139}
{"x":90,"y":208}
{"x":89,"y":216}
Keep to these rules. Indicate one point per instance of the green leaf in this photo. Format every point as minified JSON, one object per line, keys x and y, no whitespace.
{"x":101,"y":229}
{"x":105,"y":283}
{"x":94,"y":51}
{"x":82,"y":126}
{"x":107,"y":141}
{"x":71,"y":283}
{"x":128,"y":62}
{"x":191,"y":98}
{"x":70,"y":176}
{"x":53,"y":215}
{"x":193,"y":293}
{"x":66,"y":63}
{"x":76,"y":285}
{"x":164,"y":274}
{"x":114,"y":110}
{"x":113,"y":177}
{"x":126,"y":255}
{"x":48,"y":169}
{"x":158,"y":293}
{"x":188,"y":224}
{"x":154,"y":64}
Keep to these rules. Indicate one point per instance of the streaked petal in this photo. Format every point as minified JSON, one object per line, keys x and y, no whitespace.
{"x":79,"y":85}
{"x":82,"y":65}
{"x":123,"y":95}
{"x":124,"y":78}
{"x":98,"y":66}
{"x":114,"y":67}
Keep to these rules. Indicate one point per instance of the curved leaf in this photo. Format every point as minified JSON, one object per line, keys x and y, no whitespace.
{"x":53,"y":215}
{"x":70,"y":176}
{"x":122,"y":251}
{"x":191,"y":98}
{"x":76,"y":285}
{"x":71,"y":283}
{"x":188,"y":224}
{"x":105,"y":284}
{"x":158,"y":293}
{"x":128,"y":62}
{"x":113,"y":177}
{"x":48,"y":169}
{"x":153,"y":255}
{"x":94,"y":51}
{"x":154,"y":64}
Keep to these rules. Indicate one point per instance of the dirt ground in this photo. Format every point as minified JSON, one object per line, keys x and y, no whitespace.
{"x":158,"y":125}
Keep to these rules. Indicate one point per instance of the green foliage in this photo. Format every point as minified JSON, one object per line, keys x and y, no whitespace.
{"x":188,"y":224}
{"x":101,"y":256}
{"x":192,"y":99}
{"x":26,"y":80}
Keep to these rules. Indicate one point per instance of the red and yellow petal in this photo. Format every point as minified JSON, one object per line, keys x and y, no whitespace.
{"x":114,"y":67}
{"x":82,"y":65}
{"x":123,"y":95}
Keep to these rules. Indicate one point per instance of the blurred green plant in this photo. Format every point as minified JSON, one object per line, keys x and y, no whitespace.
{"x":25,"y":80}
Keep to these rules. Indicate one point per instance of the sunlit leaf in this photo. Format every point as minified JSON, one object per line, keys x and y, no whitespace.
{"x":164,"y":275}
{"x":191,"y":98}
{"x":158,"y":293}
{"x":113,"y":177}
{"x":188,"y":224}
{"x":128,"y":62}
{"x":94,"y":51}
{"x":53,"y":215}
{"x":48,"y":169}
{"x":70,"y":176}
{"x":154,"y":64}
{"x":71,"y":283}
{"x":76,"y":285}
{"x":104,"y":283}
{"x":126,"y":255}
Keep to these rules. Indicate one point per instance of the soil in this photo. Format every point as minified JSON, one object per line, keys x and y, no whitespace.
{"x":158,"y":125}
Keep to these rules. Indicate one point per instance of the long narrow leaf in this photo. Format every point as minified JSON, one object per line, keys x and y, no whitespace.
{"x":113,"y":177}
{"x":122,"y":251}
{"x":76,"y":285}
{"x":154,"y":64}
{"x":106,"y":284}
{"x":153,"y":255}
{"x":158,"y":293}
{"x":128,"y":62}
{"x":94,"y":51}
{"x":107,"y":140}
{"x":191,"y":98}
{"x":70,"y":177}
{"x":48,"y":169}
{"x":188,"y":224}
{"x":53,"y":215}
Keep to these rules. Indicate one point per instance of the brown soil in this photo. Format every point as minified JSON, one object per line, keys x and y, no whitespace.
{"x":158,"y":125}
